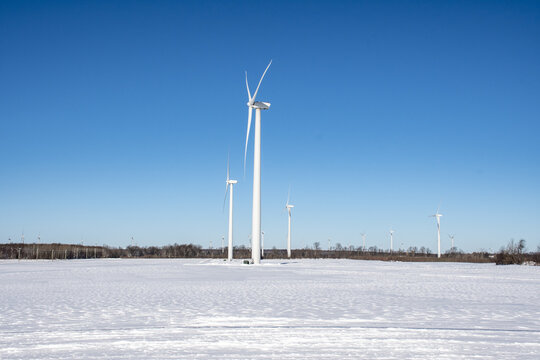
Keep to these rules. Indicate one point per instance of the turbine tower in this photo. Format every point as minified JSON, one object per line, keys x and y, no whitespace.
{"x":256,"y":211}
{"x":438,"y":217}
{"x":363,"y":241}
{"x":289,"y":207}
{"x":231,"y":183}
{"x":37,"y":247}
{"x":392,"y":240}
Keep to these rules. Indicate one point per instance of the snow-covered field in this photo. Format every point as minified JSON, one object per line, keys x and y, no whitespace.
{"x":306,"y":309}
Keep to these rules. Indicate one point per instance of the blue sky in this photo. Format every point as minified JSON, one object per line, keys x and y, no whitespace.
{"x":116,"y":119}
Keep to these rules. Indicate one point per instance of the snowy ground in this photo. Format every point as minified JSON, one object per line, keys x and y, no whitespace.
{"x":316,"y":309}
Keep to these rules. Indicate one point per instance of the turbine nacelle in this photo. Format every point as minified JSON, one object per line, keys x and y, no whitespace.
{"x":289,"y":206}
{"x":259,"y":105}
{"x":232,"y":182}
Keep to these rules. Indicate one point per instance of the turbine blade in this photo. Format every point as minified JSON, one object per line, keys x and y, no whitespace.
{"x":225,"y":199}
{"x":288,"y":195}
{"x":252,"y":100}
{"x":247,"y":86}
{"x":227,"y":168}
{"x":247,"y":138}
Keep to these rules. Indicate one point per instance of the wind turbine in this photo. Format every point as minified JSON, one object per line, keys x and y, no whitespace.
{"x":438,"y":217}
{"x":289,"y":207}
{"x":392,"y":240}
{"x":37,"y":247}
{"x":222,"y":243}
{"x":256,"y":211}
{"x":231,"y":183}
{"x":452,"y":239}
{"x":363,"y":241}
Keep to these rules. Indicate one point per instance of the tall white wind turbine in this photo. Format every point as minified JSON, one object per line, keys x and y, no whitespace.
{"x":392,"y":240}
{"x":288,"y":207}
{"x":230,"y":183}
{"x":438,"y":217}
{"x":363,"y":241}
{"x":256,"y":211}
{"x":452,"y":240}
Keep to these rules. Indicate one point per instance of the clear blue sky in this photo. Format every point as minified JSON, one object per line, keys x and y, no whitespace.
{"x":116,"y":118}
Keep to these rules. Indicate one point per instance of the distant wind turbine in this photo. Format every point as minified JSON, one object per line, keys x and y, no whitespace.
{"x":256,"y":211}
{"x":37,"y":247}
{"x":289,"y":207}
{"x":438,"y":217}
{"x":230,"y":183}
{"x":392,"y":240}
{"x":222,"y":243}
{"x":363,"y":241}
{"x":452,"y":239}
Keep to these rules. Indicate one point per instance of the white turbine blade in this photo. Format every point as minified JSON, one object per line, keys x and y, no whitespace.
{"x":252,"y":100}
{"x":227,"y":169}
{"x":225,"y":199}
{"x":247,"y":86}
{"x":288,"y":196}
{"x":247,"y":138}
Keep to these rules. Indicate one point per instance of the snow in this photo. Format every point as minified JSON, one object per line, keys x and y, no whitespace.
{"x":316,"y":309}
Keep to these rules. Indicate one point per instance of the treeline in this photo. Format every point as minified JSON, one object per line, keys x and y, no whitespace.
{"x":514,"y":253}
{"x":56,"y":251}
